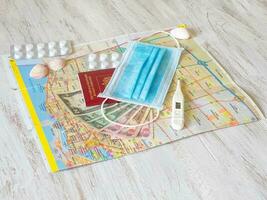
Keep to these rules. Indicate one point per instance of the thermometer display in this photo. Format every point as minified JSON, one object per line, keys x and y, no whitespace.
{"x":178,"y":105}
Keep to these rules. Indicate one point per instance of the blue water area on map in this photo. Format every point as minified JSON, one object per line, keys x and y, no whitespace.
{"x":36,"y":91}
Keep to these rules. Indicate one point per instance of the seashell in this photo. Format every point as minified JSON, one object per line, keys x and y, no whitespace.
{"x":39,"y":71}
{"x":56,"y":64}
{"x":180,"y":33}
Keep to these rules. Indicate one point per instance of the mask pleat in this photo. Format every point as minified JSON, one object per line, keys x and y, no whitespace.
{"x":130,"y":76}
{"x":165,"y":68}
{"x":152,"y":74}
{"x":144,"y":73}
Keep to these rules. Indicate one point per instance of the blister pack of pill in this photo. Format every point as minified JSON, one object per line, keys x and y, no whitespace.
{"x":103,"y":60}
{"x":41,"y":50}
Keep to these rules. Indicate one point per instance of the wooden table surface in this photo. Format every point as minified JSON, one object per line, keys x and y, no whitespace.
{"x":225,"y":164}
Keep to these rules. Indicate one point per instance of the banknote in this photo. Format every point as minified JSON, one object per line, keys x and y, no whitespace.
{"x":96,"y":114}
{"x":75,"y":102}
{"x":139,"y":118}
{"x":100,"y":123}
{"x":114,"y":129}
{"x":147,"y":130}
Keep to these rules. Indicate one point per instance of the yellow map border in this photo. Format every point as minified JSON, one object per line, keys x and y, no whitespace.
{"x":36,"y":122}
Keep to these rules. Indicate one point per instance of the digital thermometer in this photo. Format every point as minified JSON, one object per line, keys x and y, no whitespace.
{"x":178,"y":108}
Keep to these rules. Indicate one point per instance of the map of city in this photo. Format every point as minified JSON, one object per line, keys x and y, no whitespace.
{"x":72,"y":135}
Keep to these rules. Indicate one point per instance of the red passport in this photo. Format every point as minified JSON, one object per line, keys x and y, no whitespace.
{"x":93,"y":83}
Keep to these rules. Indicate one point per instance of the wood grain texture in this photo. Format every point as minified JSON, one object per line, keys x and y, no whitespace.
{"x":225,"y":164}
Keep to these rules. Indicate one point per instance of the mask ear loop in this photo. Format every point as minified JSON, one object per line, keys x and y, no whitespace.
{"x":167,"y":33}
{"x":157,"y":115}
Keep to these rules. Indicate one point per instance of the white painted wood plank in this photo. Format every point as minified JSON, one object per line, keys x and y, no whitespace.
{"x":225,"y":164}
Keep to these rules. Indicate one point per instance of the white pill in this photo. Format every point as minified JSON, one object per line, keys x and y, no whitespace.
{"x":63,"y":43}
{"x":115,"y":64}
{"x":91,"y":57}
{"x":103,"y":57}
{"x":115,"y":56}
{"x":52,"y":52}
{"x":51,"y":45}
{"x":92,"y":65}
{"x":41,"y":53}
{"x":29,"y":54}
{"x":18,"y":55}
{"x":17,"y":47}
{"x":29,"y":47}
{"x":104,"y":65}
{"x":40,"y":46}
{"x":64,"y":51}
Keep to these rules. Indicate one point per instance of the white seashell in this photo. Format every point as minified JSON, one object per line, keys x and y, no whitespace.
{"x":39,"y":71}
{"x":180,"y":33}
{"x":56,"y":64}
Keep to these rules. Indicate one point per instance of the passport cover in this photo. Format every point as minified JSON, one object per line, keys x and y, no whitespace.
{"x":93,"y":83}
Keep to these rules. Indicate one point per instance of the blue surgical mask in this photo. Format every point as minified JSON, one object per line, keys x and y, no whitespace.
{"x":144,"y":75}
